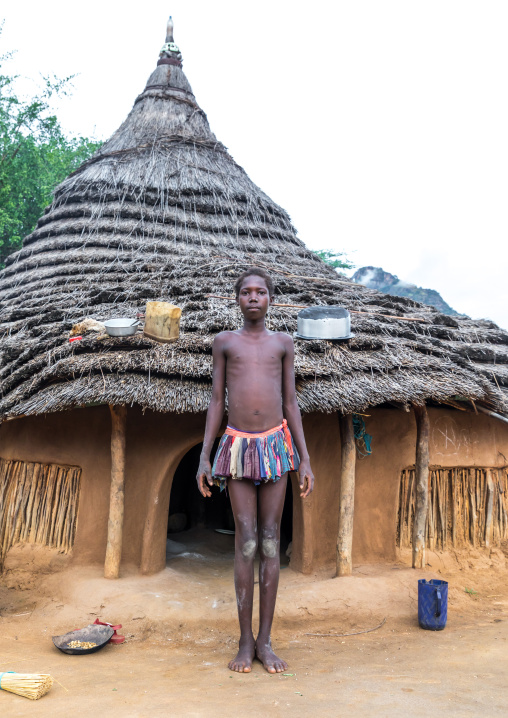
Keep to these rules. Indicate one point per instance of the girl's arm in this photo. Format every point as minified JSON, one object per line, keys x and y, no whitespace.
{"x":214,"y":415}
{"x":293,"y":417}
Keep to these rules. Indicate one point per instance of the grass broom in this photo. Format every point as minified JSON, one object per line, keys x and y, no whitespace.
{"x":29,"y":685}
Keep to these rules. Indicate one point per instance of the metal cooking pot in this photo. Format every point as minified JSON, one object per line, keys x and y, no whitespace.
{"x":121,"y":327}
{"x":324,"y":322}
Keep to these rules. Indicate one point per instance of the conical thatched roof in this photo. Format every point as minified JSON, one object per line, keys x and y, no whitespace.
{"x":162,"y":211}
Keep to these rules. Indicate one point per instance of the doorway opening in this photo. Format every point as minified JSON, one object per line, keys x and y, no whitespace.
{"x":187,"y":508}
{"x":203,"y":527}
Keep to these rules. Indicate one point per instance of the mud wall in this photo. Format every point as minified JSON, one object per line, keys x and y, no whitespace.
{"x":456,"y":439}
{"x":157,"y":442}
{"x":155,"y":445}
{"x":315,"y":520}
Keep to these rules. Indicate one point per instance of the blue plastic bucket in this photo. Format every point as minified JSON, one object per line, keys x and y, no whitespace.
{"x":432,"y":604}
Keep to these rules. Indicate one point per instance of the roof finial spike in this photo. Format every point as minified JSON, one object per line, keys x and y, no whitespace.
{"x":170,"y":53}
{"x":169,"y":30}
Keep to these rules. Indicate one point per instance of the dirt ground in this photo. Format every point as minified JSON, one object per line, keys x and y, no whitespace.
{"x":181,"y":632}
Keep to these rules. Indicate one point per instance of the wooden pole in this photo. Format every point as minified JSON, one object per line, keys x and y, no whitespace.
{"x":422,"y":485}
{"x":346,"y":497}
{"x":490,"y":506}
{"x":116,"y":500}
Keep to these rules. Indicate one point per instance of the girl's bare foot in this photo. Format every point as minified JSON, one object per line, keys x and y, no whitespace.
{"x":271,"y":662}
{"x":242,"y":663}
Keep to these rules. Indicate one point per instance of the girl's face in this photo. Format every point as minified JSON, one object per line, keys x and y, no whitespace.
{"x":253,"y":298}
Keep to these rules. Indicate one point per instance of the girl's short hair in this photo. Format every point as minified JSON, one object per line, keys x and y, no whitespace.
{"x":255,"y":272}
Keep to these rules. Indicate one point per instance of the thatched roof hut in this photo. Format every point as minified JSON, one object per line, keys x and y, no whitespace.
{"x":163,"y":212}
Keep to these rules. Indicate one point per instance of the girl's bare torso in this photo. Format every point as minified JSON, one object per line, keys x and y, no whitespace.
{"x":254,"y":367}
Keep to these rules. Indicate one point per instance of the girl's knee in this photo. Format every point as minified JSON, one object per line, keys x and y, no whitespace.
{"x":249,"y":548}
{"x":246,"y":538}
{"x":269,"y":547}
{"x":269,"y":543}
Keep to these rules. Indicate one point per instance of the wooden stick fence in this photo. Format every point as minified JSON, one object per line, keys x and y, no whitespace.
{"x":467,"y":507}
{"x":38,"y":504}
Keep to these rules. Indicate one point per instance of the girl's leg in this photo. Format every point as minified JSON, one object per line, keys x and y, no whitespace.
{"x":270,"y":504}
{"x":243,"y":495}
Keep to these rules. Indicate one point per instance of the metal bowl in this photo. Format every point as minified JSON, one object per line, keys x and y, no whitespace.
{"x":123,"y":327}
{"x":92,"y":633}
{"x":324,"y":322}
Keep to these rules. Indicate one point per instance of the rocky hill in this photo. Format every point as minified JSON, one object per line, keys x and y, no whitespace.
{"x":377,"y":278}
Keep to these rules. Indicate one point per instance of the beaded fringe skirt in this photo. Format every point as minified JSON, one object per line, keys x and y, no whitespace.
{"x":258,"y":457}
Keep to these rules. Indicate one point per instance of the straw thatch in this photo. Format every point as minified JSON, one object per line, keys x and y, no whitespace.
{"x":162,"y":212}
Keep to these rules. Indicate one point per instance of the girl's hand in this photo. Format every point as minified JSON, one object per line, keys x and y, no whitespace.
{"x":306,"y":478}
{"x":203,"y":477}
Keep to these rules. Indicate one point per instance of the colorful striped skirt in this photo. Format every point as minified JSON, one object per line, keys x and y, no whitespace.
{"x":258,"y":457}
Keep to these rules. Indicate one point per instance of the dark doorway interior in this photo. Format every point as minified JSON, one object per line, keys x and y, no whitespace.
{"x":189,"y":510}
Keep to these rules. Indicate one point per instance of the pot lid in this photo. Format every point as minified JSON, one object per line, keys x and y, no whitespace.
{"x":324,"y":312}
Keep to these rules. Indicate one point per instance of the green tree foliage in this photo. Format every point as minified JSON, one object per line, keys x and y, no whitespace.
{"x":35,"y":156}
{"x":337,"y":260}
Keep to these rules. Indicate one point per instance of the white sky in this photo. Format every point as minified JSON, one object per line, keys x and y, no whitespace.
{"x":380,"y":126}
